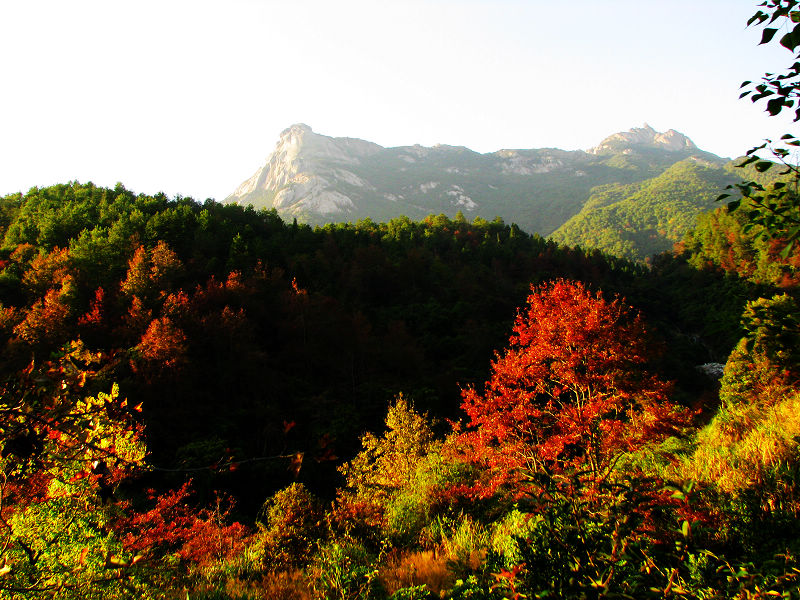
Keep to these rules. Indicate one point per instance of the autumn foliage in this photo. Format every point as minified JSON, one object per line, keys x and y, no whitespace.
{"x":255,"y":353}
{"x":570,"y":395}
{"x":66,"y":529}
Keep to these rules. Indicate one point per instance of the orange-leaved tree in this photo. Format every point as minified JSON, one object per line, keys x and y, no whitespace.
{"x":570,"y":395}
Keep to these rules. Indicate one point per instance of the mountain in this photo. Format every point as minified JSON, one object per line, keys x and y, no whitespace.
{"x":644,"y":137}
{"x":319,"y":179}
{"x":643,"y":218}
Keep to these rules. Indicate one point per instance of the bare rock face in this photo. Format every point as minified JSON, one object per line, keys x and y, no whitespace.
{"x":644,"y":137}
{"x":319,"y":179}
{"x":300,"y":175}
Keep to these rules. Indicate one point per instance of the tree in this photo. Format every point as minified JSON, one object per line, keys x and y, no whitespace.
{"x":570,"y":395}
{"x":65,"y":531}
{"x":47,"y":319}
{"x":151,"y":273}
{"x":775,"y":210}
{"x":290,"y":524}
{"x":162,"y":348}
{"x":388,"y":463}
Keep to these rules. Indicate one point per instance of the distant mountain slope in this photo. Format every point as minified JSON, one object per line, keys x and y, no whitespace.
{"x":319,"y":179}
{"x":638,"y":220}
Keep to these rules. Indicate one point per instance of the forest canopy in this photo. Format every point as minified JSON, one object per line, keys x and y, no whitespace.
{"x":222,"y":345}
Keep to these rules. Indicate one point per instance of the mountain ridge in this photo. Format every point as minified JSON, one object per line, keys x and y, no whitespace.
{"x":319,"y":179}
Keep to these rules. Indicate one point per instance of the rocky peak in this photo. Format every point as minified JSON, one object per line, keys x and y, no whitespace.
{"x":303,"y":169}
{"x":300,"y":142}
{"x":320,"y":179}
{"x":644,"y":137}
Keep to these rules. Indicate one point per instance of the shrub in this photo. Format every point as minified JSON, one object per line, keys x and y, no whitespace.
{"x":345,"y":570}
{"x":417,"y":592}
{"x":507,"y":533}
{"x":290,"y":525}
{"x":417,"y":510}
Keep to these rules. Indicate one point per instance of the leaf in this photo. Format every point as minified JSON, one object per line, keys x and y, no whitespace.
{"x":775,"y":105}
{"x":759,"y":16}
{"x":763,"y":166}
{"x":780,"y":11}
{"x":767,"y":35}
{"x":789,"y":41}
{"x":762,"y":95}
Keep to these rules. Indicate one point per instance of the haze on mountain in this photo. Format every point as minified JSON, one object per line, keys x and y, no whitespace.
{"x":635,"y":193}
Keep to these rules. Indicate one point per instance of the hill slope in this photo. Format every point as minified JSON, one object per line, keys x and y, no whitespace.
{"x":319,"y":179}
{"x":641,"y":219}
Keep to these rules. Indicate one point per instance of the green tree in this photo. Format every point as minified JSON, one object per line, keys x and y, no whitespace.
{"x":775,"y":210}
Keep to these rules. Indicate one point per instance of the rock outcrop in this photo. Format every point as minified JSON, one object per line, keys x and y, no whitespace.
{"x":644,"y":137}
{"x":320,"y":179}
{"x":301,"y":175}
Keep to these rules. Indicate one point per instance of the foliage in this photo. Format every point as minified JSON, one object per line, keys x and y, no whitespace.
{"x":635,"y":221}
{"x":751,"y":443}
{"x":772,"y":330}
{"x":254,"y":351}
{"x":67,"y":533}
{"x":191,"y":303}
{"x":417,"y":592}
{"x":719,"y":239}
{"x":473,"y":588}
{"x":572,"y":550}
{"x":417,"y":511}
{"x":291,"y":524}
{"x":63,"y":454}
{"x":775,"y":210}
{"x":345,"y":570}
{"x":570,"y":395}
{"x":389,"y":463}
{"x":515,"y":526}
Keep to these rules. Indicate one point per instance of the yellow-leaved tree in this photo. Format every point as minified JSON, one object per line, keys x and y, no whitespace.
{"x":388,"y":463}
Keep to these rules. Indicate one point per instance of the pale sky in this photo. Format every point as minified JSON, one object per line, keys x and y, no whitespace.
{"x":189,"y":97}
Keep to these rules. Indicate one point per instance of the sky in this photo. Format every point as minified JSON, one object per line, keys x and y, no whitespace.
{"x":189,"y":97}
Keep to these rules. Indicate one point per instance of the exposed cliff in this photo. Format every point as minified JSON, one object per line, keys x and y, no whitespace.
{"x":320,"y":179}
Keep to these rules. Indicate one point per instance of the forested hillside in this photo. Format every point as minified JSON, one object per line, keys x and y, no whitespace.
{"x":150,"y":341}
{"x":244,"y":321}
{"x":638,"y":220}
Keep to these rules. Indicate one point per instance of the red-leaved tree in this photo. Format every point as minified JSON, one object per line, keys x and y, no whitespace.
{"x":570,"y":395}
